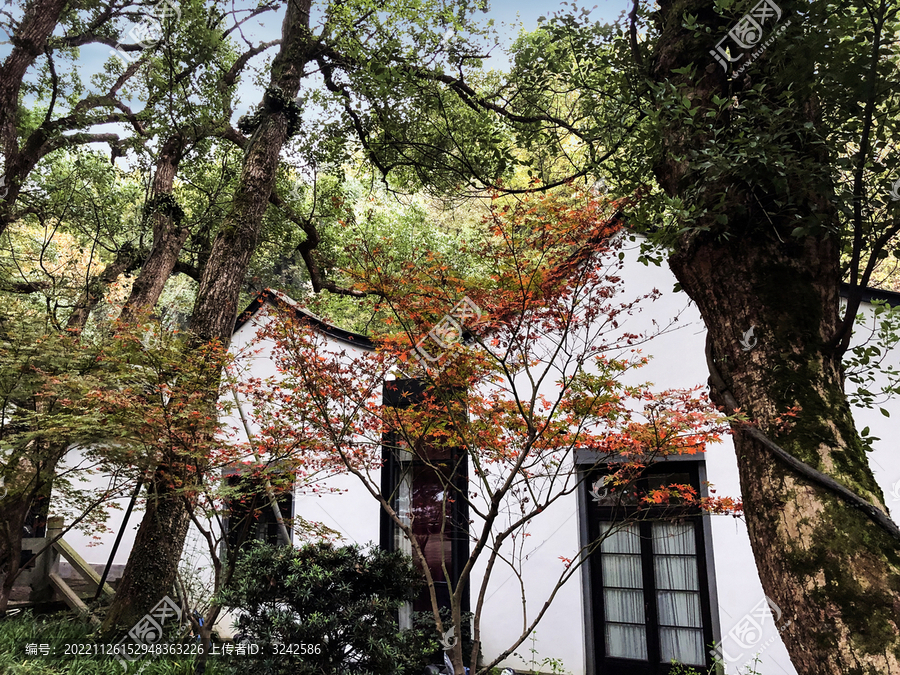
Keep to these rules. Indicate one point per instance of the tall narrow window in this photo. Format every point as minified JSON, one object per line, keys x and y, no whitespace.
{"x":423,"y":484}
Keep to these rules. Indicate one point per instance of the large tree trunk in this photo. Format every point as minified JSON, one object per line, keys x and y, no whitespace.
{"x":834,"y":573}
{"x":215,"y":310}
{"x":827,"y":566}
{"x":168,"y":234}
{"x":150,"y":575}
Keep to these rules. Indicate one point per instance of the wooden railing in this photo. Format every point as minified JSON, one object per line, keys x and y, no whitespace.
{"x":44,"y":577}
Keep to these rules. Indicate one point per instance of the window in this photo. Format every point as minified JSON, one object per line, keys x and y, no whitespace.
{"x":649,"y":582}
{"x":423,"y":484}
{"x":250,"y":515}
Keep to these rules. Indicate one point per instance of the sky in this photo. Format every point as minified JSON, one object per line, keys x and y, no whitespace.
{"x":510,"y":17}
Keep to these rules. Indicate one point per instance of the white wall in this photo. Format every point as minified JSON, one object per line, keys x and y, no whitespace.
{"x":96,"y":548}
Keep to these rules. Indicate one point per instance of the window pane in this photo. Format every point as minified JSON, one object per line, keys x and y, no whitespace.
{"x":685,"y":645}
{"x":620,"y":564}
{"x":679,"y":608}
{"x":674,"y":538}
{"x":626,"y":642}
{"x":624,"y":606}
{"x":432,"y":527}
{"x":404,"y":511}
{"x":625,"y":538}
{"x":622,"y":571}
{"x":676,"y":573}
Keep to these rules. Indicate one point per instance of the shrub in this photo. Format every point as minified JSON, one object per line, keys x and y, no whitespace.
{"x":342,"y":601}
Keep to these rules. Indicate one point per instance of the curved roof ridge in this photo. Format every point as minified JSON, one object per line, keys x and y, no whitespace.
{"x":277,"y":298}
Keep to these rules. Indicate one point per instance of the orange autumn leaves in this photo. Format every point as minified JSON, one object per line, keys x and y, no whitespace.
{"x":543,"y":373}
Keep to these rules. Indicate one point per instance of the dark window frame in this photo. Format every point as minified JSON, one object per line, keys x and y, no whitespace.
{"x":260,"y":504}
{"x":595,"y":624}
{"x":403,"y":393}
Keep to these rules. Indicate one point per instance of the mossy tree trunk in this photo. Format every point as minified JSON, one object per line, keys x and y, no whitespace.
{"x":160,"y":539}
{"x":833,"y":572}
{"x":169,"y":235}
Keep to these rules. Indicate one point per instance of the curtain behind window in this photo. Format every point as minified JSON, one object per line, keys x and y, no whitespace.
{"x":677,"y":593}
{"x":623,"y":595}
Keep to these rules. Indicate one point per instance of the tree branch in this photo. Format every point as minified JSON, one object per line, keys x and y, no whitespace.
{"x":814,"y":476}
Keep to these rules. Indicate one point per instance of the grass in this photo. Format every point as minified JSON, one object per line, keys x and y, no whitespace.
{"x":56,"y":630}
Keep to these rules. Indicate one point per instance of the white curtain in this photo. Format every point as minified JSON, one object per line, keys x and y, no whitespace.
{"x":677,"y":593}
{"x":623,"y":595}
{"x":401,"y":543}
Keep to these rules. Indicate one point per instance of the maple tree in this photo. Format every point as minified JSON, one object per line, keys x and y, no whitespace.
{"x":535,"y":381}
{"x":155,"y":424}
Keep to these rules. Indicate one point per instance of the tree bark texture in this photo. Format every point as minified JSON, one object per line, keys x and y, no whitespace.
{"x":168,"y":235}
{"x":829,"y":568}
{"x":153,"y":560}
{"x":30,"y":41}
{"x":150,"y":574}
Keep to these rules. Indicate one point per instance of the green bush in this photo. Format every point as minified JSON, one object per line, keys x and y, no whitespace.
{"x":342,"y":601}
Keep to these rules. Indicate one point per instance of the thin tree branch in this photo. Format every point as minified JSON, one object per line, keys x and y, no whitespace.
{"x":876,"y":515}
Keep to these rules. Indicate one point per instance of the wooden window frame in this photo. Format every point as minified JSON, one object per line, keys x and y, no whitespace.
{"x":597,"y":513}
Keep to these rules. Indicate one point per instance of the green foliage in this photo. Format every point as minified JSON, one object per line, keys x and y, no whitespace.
{"x":60,"y":629}
{"x":343,"y":599}
{"x":866,"y":364}
{"x":45,"y":377}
